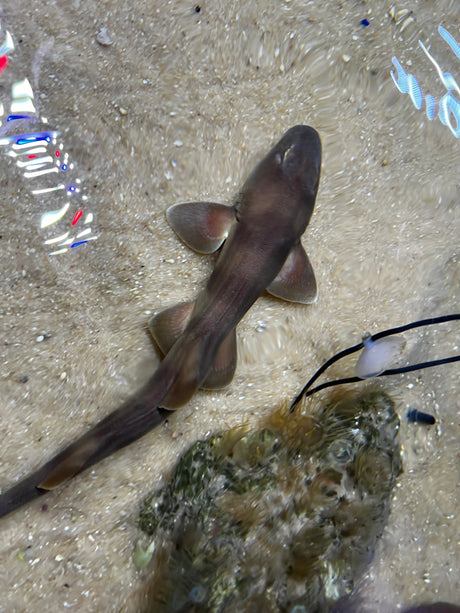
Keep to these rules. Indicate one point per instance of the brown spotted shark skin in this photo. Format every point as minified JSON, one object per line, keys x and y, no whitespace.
{"x":262,"y":251}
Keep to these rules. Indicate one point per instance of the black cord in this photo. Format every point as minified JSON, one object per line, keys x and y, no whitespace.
{"x":306,"y":391}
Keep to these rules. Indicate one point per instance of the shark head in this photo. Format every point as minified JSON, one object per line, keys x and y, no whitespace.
{"x":298,"y":155}
{"x":282,"y":187}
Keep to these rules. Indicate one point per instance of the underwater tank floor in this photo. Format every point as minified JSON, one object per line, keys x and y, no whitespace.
{"x":180,"y":107}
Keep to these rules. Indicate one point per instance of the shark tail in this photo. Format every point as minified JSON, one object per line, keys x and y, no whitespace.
{"x":132,"y":420}
{"x":172,"y":385}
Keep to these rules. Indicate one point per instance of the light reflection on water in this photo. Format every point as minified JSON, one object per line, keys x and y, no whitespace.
{"x":40,"y":155}
{"x":448,"y":104}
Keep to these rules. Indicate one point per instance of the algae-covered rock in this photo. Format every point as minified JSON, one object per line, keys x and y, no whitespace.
{"x":284,"y":518}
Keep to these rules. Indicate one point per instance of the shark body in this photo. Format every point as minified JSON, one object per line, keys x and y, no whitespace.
{"x":262,"y":251}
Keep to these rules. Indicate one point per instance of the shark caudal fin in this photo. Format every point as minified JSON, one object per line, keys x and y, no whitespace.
{"x":20,"y":494}
{"x":60,"y":468}
{"x":75,"y":458}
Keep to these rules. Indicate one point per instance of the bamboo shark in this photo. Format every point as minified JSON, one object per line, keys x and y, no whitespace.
{"x":261,"y":251}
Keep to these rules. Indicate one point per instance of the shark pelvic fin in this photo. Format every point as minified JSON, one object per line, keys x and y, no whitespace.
{"x":166,"y":327}
{"x":202,"y":226}
{"x":296,"y":280}
{"x":223,"y":367}
{"x":188,"y":378}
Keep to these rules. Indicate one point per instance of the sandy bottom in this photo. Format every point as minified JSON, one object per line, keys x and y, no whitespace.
{"x":180,"y":106}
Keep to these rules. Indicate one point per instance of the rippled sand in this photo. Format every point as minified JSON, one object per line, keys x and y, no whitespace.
{"x":179,"y":107}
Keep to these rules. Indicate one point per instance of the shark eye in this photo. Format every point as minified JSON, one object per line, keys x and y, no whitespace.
{"x":289,"y":155}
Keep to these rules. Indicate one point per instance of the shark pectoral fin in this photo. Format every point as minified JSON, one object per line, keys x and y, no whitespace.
{"x":296,"y":280}
{"x":224,"y":364}
{"x":202,"y":226}
{"x":68,"y":466}
{"x":167,"y":326}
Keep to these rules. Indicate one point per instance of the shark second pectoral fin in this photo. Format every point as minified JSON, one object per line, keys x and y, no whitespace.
{"x":224,"y":364}
{"x":296,"y":280}
{"x":166,"y":327}
{"x":203,"y":226}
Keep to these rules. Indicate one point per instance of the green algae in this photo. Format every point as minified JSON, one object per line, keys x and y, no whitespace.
{"x":284,"y":518}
